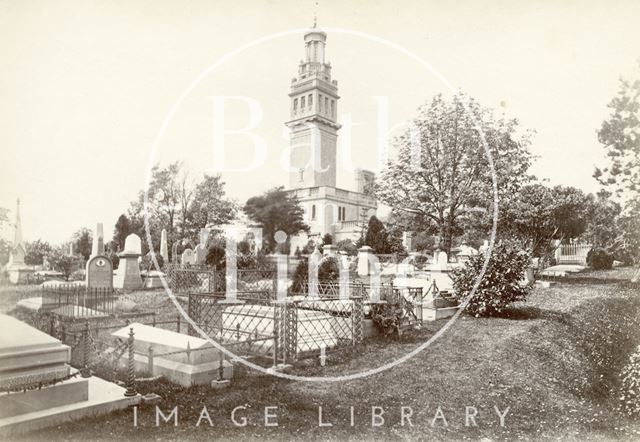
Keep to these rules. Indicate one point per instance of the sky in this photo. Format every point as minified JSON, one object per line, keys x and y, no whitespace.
{"x":86,"y":87}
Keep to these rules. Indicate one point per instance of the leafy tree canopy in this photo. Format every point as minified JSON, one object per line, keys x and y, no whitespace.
{"x":276,"y":210}
{"x":442,"y":170}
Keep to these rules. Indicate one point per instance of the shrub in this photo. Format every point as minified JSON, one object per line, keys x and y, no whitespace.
{"x":599,"y":259}
{"x":420,"y":261}
{"x":147,"y":263}
{"x":501,"y":283}
{"x":346,"y":245}
{"x":327,"y":272}
{"x":216,"y":256}
{"x":388,"y":318}
{"x":115,"y":260}
{"x":78,"y":275}
{"x":327,"y":239}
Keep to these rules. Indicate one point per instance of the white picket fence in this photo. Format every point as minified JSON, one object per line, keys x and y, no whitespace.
{"x":572,"y":253}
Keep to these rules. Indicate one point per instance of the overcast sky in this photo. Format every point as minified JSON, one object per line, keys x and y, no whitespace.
{"x":86,"y":86}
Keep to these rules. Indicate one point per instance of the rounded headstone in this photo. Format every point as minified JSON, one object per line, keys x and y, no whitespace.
{"x":133,"y":244}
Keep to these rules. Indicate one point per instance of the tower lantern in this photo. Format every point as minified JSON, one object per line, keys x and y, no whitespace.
{"x":313,"y":124}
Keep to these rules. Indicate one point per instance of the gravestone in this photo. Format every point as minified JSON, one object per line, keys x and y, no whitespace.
{"x":99,"y":272}
{"x":188,"y":257}
{"x":200,"y":254}
{"x":164,"y":251}
{"x":128,"y":273}
{"x":174,"y":253}
{"x":18,"y":271}
{"x":204,"y":236}
{"x":407,"y":241}
{"x":97,"y":246}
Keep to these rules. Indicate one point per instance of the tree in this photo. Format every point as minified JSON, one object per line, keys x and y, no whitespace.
{"x":165,"y":198}
{"x":4,"y":217}
{"x":36,"y":251}
{"x":82,"y":241}
{"x":210,"y":206}
{"x":123,"y":228}
{"x":603,"y":229}
{"x":620,"y":136}
{"x":538,"y":214}
{"x":377,"y":236}
{"x":441,"y":170}
{"x":276,"y":210}
{"x":179,"y":204}
{"x":5,"y":248}
{"x":61,"y":262}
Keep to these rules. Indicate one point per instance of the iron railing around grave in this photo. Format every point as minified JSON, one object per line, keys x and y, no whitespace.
{"x":185,"y":280}
{"x":281,"y":330}
{"x":78,"y":301}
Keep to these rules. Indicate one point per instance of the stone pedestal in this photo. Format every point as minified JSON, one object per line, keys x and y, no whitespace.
{"x":128,"y":274}
{"x":364,"y":266}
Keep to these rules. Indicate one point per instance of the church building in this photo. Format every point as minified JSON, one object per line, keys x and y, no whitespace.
{"x":314,"y":134}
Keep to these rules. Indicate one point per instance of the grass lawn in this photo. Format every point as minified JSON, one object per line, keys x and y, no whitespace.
{"x":554,"y":361}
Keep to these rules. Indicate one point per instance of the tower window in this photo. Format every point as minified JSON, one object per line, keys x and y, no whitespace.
{"x":310,"y":101}
{"x":320,"y":102}
{"x":333,"y":108}
{"x":302,"y":103}
{"x":313,"y":211}
{"x":326,"y":104}
{"x":295,"y":105}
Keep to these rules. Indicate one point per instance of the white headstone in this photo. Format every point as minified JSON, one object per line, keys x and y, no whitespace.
{"x":174,"y":252}
{"x":164,"y":249}
{"x":200,"y":254}
{"x":133,"y":244}
{"x":97,"y":246}
{"x":204,"y":236}
{"x":188,"y":257}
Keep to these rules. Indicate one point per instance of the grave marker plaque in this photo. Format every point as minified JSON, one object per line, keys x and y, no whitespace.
{"x":99,"y":272}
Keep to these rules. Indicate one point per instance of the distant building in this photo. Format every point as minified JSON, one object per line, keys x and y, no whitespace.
{"x":314,"y":134}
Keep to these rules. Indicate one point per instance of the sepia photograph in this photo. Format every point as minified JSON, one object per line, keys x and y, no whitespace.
{"x":356,"y":220}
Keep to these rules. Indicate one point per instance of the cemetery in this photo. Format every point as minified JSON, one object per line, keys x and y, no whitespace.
{"x":453,"y":283}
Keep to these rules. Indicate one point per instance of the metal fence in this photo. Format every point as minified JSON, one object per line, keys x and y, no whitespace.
{"x":283,"y":330}
{"x":575,"y":253}
{"x":185,"y":280}
{"x":78,"y":301}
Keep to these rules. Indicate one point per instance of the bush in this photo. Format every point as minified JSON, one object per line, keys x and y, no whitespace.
{"x":420,"y":261}
{"x":78,"y":275}
{"x":147,"y":263}
{"x":216,"y":256}
{"x":388,"y":318}
{"x":501,"y":284}
{"x":599,"y":259}
{"x":346,"y":245}
{"x":327,"y":272}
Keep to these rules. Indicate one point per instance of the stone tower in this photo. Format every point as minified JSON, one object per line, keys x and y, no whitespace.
{"x":314,"y":110}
